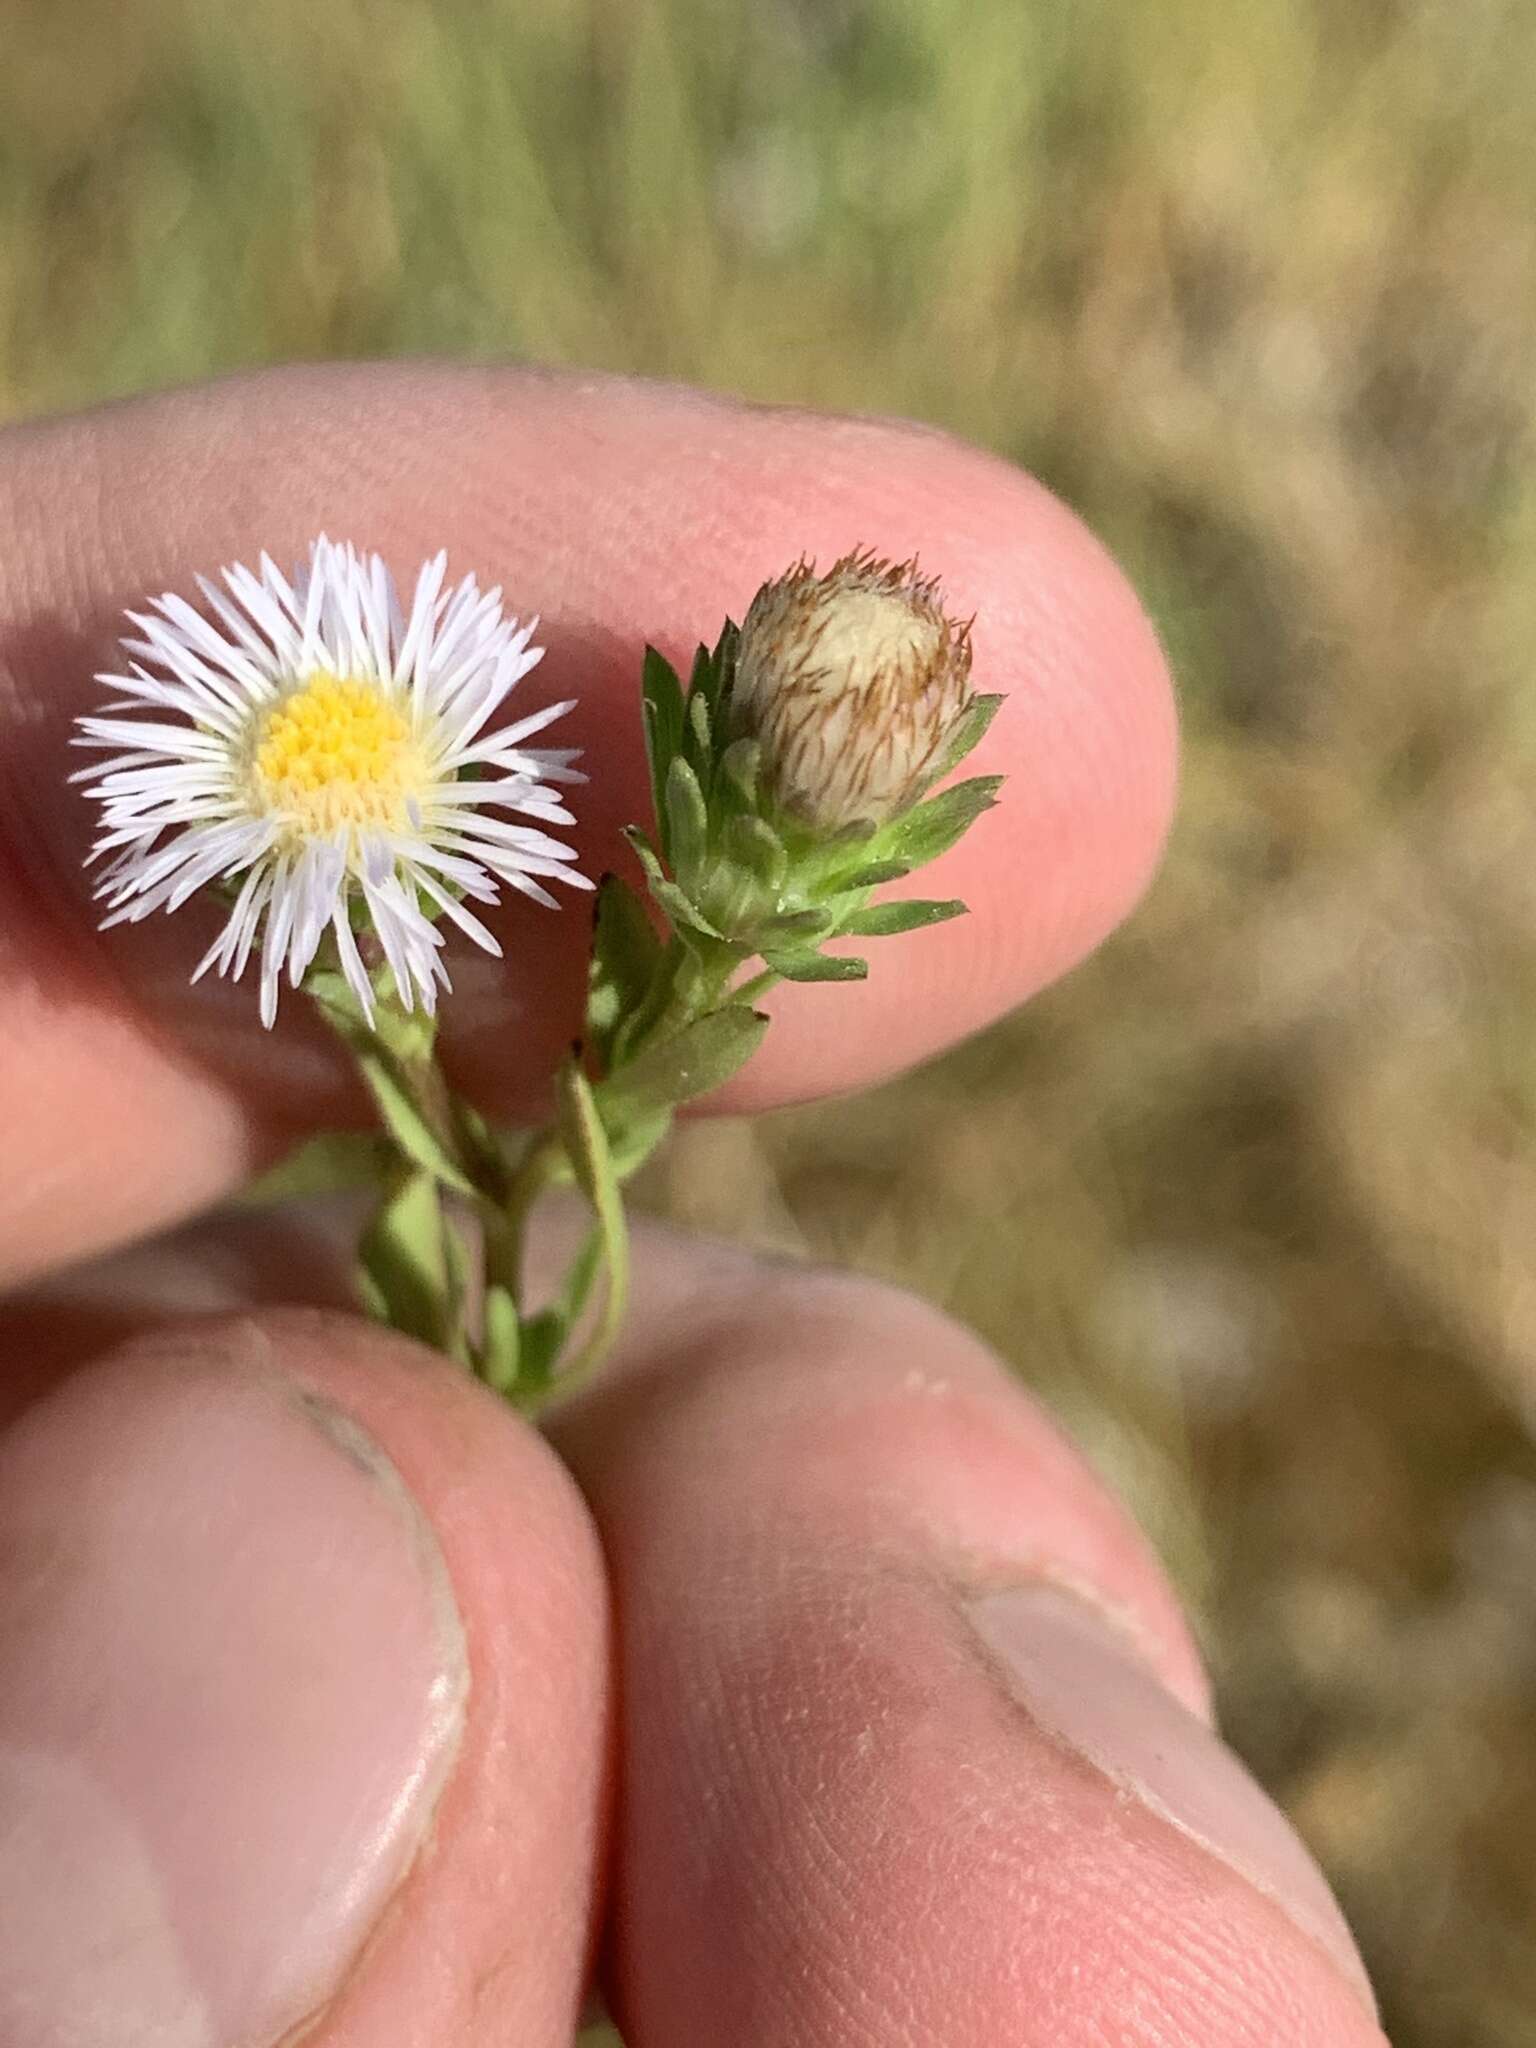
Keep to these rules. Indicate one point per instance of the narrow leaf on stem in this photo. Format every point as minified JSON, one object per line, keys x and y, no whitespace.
{"x":687,"y":824}
{"x":500,"y":1341}
{"x":691,"y":1062}
{"x":403,"y":1119}
{"x":407,"y":1262}
{"x":923,"y":834}
{"x":626,"y":956}
{"x":816,"y":966}
{"x":586,"y":1142}
{"x":661,"y":698}
{"x":884,"y":920}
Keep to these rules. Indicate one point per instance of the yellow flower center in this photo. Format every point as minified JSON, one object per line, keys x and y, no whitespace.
{"x":336,"y":753}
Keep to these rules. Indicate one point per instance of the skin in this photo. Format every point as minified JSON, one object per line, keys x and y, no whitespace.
{"x":890,"y":1468}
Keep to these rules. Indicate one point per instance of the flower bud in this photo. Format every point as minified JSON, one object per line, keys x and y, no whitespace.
{"x":853,"y":683}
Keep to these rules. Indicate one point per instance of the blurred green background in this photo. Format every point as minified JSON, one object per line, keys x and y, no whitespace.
{"x":1252,"y":1197}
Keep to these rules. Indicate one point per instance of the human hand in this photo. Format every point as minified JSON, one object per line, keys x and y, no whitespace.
{"x":808,"y":1683}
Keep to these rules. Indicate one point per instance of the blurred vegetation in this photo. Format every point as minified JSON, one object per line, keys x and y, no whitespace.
{"x":1252,"y":1197}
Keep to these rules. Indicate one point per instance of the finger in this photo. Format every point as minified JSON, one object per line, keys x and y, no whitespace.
{"x":302,"y":1682}
{"x":915,"y":1747}
{"x":228,"y":1262}
{"x":619,"y":512}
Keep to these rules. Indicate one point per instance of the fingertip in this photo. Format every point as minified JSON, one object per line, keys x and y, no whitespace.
{"x":889,"y":1419}
{"x":913,"y":1724}
{"x":493,"y":1931}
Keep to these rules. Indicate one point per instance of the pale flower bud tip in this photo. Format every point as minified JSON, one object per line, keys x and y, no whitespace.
{"x":853,"y":683}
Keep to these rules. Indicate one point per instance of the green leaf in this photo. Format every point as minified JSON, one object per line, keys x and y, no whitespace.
{"x":760,"y":850}
{"x":404,"y":1120}
{"x":498,"y":1363}
{"x":543,"y":1337}
{"x":701,"y":677}
{"x":407,"y":1276}
{"x":331,"y":1163}
{"x":714,"y":669}
{"x":636,"y":1137}
{"x":740,"y":765}
{"x":797,"y":924}
{"x":923,"y":834}
{"x":386,"y":1051}
{"x":967,"y":734}
{"x":697,"y":745}
{"x":725,"y":660}
{"x":661,"y":710}
{"x":577,"y":1285}
{"x":844,"y":840}
{"x":815,"y":966}
{"x":872,"y":874}
{"x":646,"y":854}
{"x":406,"y":1034}
{"x":586,"y":1143}
{"x":370,"y":1296}
{"x":544,"y":1334}
{"x":626,"y":956}
{"x":745,"y":878}
{"x":455,"y":1339}
{"x":682,"y":912}
{"x":337,"y":998}
{"x":702,"y":730}
{"x":882,"y":920}
{"x":691,"y":1062}
{"x":687,"y":822}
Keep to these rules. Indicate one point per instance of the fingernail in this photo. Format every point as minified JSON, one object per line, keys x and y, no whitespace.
{"x":1075,"y":1676}
{"x":232,"y":1682}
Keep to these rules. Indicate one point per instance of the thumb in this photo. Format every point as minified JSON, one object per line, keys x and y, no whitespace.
{"x":301,"y":1702}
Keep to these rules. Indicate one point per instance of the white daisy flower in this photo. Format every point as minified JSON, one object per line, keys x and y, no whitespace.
{"x":330,"y":764}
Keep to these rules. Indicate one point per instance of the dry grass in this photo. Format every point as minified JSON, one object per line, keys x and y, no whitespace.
{"x":1255,"y":286}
